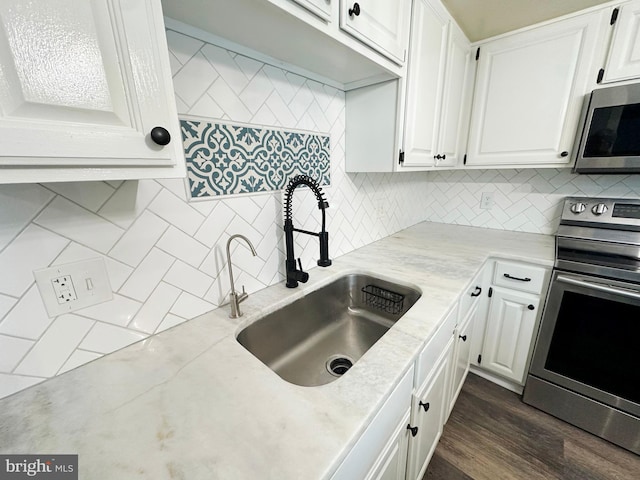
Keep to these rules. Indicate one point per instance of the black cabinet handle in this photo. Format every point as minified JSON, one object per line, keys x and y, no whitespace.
{"x":564,"y":154}
{"x":463,"y":337}
{"x":355,"y":10}
{"x":440,"y":157}
{"x":425,"y":406}
{"x":531,"y":307}
{"x":413,"y":430}
{"x":526,"y":279}
{"x":160,"y":135}
{"x":477,"y":292}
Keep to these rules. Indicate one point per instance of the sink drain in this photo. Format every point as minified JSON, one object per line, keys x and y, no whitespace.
{"x":338,"y":365}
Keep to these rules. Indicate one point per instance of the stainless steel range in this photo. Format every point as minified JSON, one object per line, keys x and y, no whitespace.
{"x":586,"y":363}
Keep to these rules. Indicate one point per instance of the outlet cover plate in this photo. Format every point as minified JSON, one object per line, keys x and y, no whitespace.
{"x":72,"y":286}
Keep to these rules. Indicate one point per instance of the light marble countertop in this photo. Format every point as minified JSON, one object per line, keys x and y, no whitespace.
{"x":192,"y":403}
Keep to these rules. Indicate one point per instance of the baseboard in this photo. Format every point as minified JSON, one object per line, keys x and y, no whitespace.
{"x":509,"y":385}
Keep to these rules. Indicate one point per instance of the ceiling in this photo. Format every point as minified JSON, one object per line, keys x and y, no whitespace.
{"x":482,"y":19}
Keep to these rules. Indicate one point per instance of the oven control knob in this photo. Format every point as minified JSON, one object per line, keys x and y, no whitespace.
{"x":578,"y":207}
{"x":599,"y":209}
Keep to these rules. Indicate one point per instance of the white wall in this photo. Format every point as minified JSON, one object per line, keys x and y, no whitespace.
{"x":165,"y":256}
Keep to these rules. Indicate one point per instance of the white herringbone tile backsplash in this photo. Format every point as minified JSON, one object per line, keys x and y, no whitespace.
{"x":525,"y":200}
{"x":165,"y":255}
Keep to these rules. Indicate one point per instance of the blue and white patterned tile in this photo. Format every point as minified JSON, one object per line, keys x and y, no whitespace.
{"x":228,"y":159}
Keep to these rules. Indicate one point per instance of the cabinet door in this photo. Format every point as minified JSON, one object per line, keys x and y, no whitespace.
{"x":381,"y":24}
{"x":321,"y":8}
{"x":454,"y":117}
{"x":624,"y":56}
{"x":509,"y":333}
{"x":392,"y":463}
{"x":427,"y":414}
{"x":427,"y":56}
{"x":82,"y":84}
{"x":461,"y":357}
{"x":529,"y":90}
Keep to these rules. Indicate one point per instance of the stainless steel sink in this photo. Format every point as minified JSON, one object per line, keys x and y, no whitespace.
{"x":317,"y":338}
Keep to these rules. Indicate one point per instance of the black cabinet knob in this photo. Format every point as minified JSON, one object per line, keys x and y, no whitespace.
{"x":463,"y":337}
{"x":160,"y":135}
{"x":564,"y":154}
{"x":355,"y":10}
{"x":413,"y":430}
{"x":424,"y":405}
{"x":531,"y":307}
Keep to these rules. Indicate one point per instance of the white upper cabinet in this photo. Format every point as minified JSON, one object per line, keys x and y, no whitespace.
{"x":529,"y":90}
{"x":381,"y":24}
{"x":624,"y":56}
{"x":321,"y":8}
{"x":436,"y":83}
{"x":82,"y":86}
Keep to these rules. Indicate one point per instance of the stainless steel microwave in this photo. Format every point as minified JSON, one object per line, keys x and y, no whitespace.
{"x":608,"y":139}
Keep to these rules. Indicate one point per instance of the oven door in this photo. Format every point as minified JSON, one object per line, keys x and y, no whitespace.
{"x":589,"y":339}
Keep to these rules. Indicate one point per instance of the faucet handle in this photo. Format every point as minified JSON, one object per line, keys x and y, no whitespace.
{"x":301,"y":275}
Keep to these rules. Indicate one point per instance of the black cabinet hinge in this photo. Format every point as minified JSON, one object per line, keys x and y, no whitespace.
{"x":479,"y":358}
{"x":600,"y":75}
{"x":464,"y":160}
{"x":477,"y":54}
{"x":490,"y":291}
{"x":401,"y":157}
{"x":614,"y":16}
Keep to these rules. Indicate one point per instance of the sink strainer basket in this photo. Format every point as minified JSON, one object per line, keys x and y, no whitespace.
{"x":382,"y":299}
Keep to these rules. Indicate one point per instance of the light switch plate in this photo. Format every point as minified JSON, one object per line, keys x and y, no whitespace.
{"x":72,"y":286}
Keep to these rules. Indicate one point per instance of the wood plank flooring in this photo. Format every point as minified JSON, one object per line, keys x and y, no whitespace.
{"x":492,"y":435}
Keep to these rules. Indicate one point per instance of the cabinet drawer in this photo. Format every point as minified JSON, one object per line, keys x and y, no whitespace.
{"x":520,"y":276}
{"x":471,"y":295}
{"x":431,"y":352}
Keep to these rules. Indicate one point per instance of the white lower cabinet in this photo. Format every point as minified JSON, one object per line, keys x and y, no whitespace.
{"x":512,"y":316}
{"x":427,"y":416}
{"x":392,"y":463}
{"x":509,"y":334}
{"x":461,"y":357}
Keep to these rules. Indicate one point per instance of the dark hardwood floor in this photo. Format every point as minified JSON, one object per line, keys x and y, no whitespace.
{"x":492,"y":435}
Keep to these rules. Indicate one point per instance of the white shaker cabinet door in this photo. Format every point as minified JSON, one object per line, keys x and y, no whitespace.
{"x":624,"y":56}
{"x":321,"y":8}
{"x":82,"y":84}
{"x":509,"y":333}
{"x":529,"y":91}
{"x":381,"y":24}
{"x":425,"y":83}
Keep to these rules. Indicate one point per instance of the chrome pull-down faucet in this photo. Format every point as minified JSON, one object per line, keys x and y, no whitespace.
{"x":295,"y":275}
{"x":234,"y":298}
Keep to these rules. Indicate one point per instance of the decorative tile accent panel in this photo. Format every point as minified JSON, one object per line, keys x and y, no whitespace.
{"x":228,"y":159}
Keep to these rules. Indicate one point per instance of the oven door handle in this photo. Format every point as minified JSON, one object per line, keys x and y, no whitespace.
{"x":602,"y":288}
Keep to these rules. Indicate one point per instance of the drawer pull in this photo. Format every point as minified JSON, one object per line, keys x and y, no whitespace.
{"x":477,"y":292}
{"x":413,"y":430}
{"x":463,"y":337}
{"x":355,"y":10}
{"x":424,"y":405}
{"x":526,"y":279}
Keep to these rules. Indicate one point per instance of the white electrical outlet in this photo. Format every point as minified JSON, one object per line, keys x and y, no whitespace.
{"x":72,"y":286}
{"x":486,"y":201}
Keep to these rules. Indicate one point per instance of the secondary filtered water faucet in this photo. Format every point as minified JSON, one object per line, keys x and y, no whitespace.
{"x":234,"y":298}
{"x":295,"y":275}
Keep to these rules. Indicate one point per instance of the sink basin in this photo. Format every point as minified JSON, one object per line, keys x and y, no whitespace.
{"x":317,"y":338}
